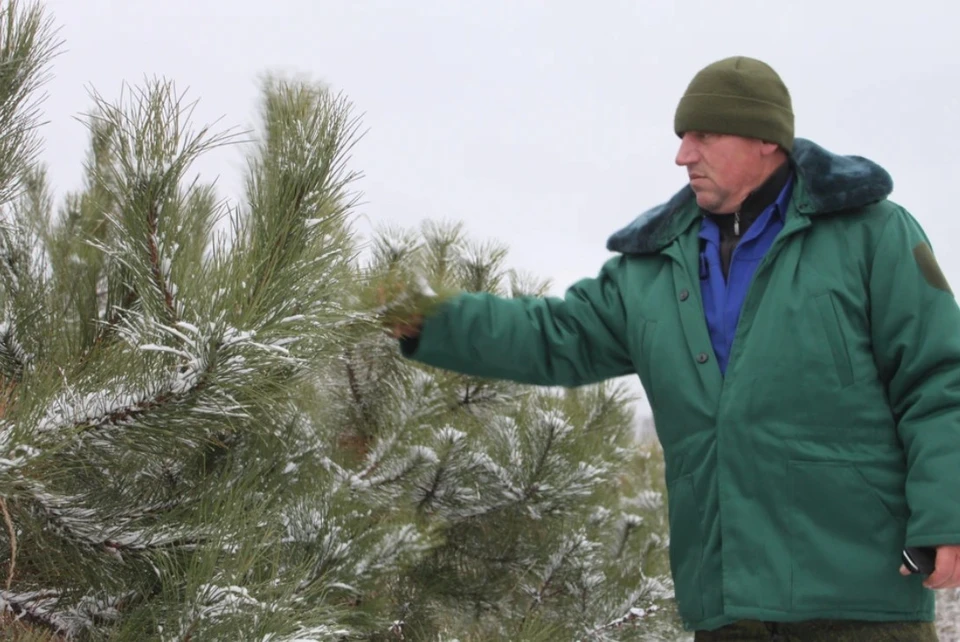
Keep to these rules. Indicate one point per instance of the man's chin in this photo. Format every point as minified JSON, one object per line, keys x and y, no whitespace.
{"x":709,"y":204}
{"x":704,"y":200}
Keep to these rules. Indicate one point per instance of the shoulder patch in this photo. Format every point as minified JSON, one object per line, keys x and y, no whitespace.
{"x":930,"y":268}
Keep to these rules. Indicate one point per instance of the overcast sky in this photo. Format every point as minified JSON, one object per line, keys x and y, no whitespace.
{"x":545,"y":125}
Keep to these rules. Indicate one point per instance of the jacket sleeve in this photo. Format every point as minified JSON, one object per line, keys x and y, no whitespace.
{"x":570,"y":341}
{"x":915,"y":323}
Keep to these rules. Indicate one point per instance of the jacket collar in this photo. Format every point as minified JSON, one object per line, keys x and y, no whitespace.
{"x":826,"y":183}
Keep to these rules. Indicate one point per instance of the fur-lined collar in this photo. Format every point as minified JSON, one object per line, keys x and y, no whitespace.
{"x":827,"y":183}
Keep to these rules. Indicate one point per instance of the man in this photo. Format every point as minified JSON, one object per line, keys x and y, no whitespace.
{"x":800,"y":349}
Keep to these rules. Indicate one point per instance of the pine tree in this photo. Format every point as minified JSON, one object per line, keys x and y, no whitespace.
{"x":205,"y":433}
{"x":550,"y":519}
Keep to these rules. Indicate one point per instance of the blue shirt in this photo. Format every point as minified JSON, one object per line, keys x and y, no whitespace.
{"x":723,"y":297}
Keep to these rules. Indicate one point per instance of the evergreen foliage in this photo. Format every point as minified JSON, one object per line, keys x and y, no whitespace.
{"x":206,"y":435}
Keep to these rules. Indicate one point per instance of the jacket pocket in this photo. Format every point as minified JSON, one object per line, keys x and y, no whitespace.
{"x":827,"y":311}
{"x":686,"y":548}
{"x":845,"y":541}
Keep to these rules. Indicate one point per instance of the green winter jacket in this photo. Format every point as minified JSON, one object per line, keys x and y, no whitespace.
{"x":834,"y":439}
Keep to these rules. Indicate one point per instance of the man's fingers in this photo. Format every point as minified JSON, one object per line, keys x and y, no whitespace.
{"x":954,"y":580}
{"x":904,"y":570}
{"x":945,"y":569}
{"x":405,"y":330}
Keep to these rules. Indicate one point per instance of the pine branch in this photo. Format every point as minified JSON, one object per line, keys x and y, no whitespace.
{"x":110,"y":327}
{"x":632,"y":617}
{"x":42,"y":608}
{"x":71,"y":414}
{"x":13,"y":455}
{"x":295,"y":235}
{"x":143,"y":148}
{"x":11,"y":260}
{"x":551,"y":426}
{"x":160,"y":279}
{"x":476,"y":394}
{"x":442,"y":483}
{"x":36,"y":607}
{"x":429,"y":491}
{"x":23,"y":289}
{"x":375,"y":460}
{"x":571,"y":546}
{"x":14,"y":359}
{"x":75,"y":518}
{"x":27,"y":46}
{"x":366,"y":426}
{"x":201,"y":355}
{"x":213,"y":603}
{"x":629,"y":525}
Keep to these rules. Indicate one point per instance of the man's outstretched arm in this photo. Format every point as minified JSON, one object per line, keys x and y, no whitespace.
{"x":570,"y":341}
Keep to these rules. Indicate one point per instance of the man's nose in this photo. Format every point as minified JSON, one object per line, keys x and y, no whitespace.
{"x":687,"y":154}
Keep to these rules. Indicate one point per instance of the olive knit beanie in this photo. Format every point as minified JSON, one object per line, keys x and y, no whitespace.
{"x":740,"y":96}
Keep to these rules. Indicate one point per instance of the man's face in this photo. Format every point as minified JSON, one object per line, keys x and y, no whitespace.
{"x":723,"y":169}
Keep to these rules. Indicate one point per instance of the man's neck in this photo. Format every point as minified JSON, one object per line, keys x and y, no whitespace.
{"x":755,"y":202}
{"x":734,"y":226}
{"x":766,"y":193}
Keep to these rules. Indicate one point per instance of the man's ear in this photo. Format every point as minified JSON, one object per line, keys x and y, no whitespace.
{"x":767,"y":148}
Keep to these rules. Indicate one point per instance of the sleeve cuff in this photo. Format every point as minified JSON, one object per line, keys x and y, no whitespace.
{"x":409,"y":345}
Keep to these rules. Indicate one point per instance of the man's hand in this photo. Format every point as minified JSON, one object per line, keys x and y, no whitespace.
{"x":403,"y":300}
{"x":406,"y":330}
{"x":947,"y":570}
{"x":404,"y":326}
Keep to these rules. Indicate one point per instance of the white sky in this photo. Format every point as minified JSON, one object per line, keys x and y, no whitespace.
{"x":545,"y":125}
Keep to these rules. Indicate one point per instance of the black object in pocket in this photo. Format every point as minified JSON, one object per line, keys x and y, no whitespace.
{"x":920,"y":559}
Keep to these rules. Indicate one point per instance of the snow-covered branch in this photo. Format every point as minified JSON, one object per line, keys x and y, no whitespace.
{"x":212,"y":603}
{"x":74,"y":518}
{"x":159,"y":271}
{"x":631,"y":617}
{"x":36,"y":607}
{"x":574,"y":546}
{"x":121,"y":404}
{"x":13,"y":455}
{"x":202,"y":355}
{"x":48,"y":609}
